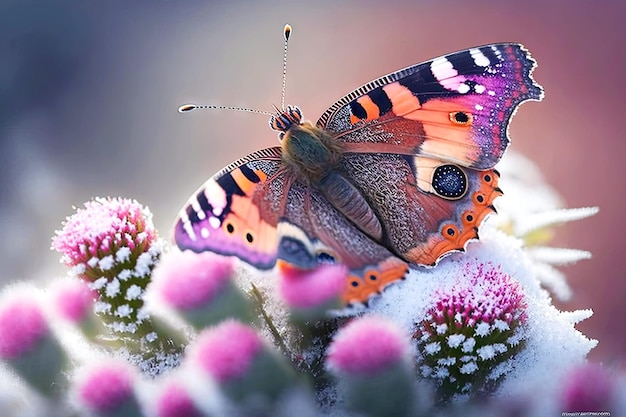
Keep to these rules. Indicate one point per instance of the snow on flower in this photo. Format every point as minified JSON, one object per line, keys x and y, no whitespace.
{"x":101,"y":229}
{"x":491,"y":286}
{"x":485,"y":307}
{"x":112,"y":244}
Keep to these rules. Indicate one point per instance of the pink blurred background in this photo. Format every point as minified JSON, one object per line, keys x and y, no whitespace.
{"x":89,"y":93}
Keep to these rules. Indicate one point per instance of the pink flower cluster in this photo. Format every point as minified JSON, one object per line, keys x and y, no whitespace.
{"x":486,"y":296}
{"x":472,"y":327}
{"x":101,"y":229}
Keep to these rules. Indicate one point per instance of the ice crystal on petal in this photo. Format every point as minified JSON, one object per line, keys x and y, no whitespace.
{"x":432,"y":348}
{"x":468,"y":368}
{"x":482,"y":329}
{"x":112,"y":288}
{"x":124,"y":310}
{"x":122,"y":254}
{"x":106,"y":263}
{"x":454,"y":340}
{"x":134,"y":292}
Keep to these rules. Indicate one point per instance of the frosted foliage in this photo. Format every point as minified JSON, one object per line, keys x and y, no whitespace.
{"x":552,"y":342}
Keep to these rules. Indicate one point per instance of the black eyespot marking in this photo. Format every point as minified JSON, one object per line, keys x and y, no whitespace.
{"x":487,"y":178}
{"x":480,"y":198}
{"x":355,"y":283}
{"x":450,"y":231}
{"x":230,"y":228}
{"x":469,"y":218}
{"x":373,"y":277}
{"x":449,"y":182}
{"x":461,"y":118}
{"x":325,"y":258}
{"x":249,"y":237}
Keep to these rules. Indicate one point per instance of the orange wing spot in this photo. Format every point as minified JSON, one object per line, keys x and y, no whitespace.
{"x":243,"y":182}
{"x":447,"y":137}
{"x":286,"y":268}
{"x":402,"y":99}
{"x":246,"y":215}
{"x":371,"y":109}
{"x":360,"y":288}
{"x":261,"y":174}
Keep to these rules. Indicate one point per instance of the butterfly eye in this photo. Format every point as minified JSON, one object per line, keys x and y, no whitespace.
{"x":461,"y":118}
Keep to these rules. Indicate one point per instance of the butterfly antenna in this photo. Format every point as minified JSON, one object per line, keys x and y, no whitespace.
{"x":286,"y":34}
{"x":185,"y":108}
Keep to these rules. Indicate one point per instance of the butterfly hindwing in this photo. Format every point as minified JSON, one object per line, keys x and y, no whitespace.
{"x":427,"y":207}
{"x":312,"y":232}
{"x":455,"y":108}
{"x":236,"y":211}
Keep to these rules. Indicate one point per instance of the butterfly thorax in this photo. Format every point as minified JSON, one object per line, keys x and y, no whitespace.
{"x":310,"y":152}
{"x":314,"y":157}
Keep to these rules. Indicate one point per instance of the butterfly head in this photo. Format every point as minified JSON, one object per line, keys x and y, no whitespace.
{"x":285,"y":119}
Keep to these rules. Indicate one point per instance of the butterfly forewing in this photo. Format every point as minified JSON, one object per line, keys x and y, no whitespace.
{"x":455,"y":108}
{"x":236,"y":211}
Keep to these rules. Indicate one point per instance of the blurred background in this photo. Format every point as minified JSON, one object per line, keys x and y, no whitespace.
{"x":89,"y":92}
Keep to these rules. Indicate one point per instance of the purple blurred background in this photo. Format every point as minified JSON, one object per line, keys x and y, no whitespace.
{"x":88,"y":98}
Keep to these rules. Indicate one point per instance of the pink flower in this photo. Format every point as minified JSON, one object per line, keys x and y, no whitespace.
{"x":588,"y":388}
{"x":311,"y":288}
{"x":92,"y":237}
{"x":366,"y":346}
{"x":227,"y":350}
{"x":174,"y":401}
{"x":106,"y":386}
{"x":73,"y":300}
{"x":488,"y":295}
{"x":470,"y":329}
{"x":22,"y":326}
{"x":188,"y":280}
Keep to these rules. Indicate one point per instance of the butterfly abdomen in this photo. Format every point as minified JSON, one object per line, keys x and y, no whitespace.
{"x":346,"y":198}
{"x":310,"y":153}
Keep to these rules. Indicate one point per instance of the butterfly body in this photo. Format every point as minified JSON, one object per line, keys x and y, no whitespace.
{"x":398,"y":171}
{"x":310,"y":152}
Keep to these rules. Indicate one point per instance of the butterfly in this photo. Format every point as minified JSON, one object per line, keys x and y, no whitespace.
{"x":397,"y":172}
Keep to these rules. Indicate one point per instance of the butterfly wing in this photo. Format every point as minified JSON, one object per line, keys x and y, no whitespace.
{"x":455,"y":108}
{"x":237,"y":210}
{"x":312,"y":232}
{"x":420,"y":144}
{"x":427,"y":207}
